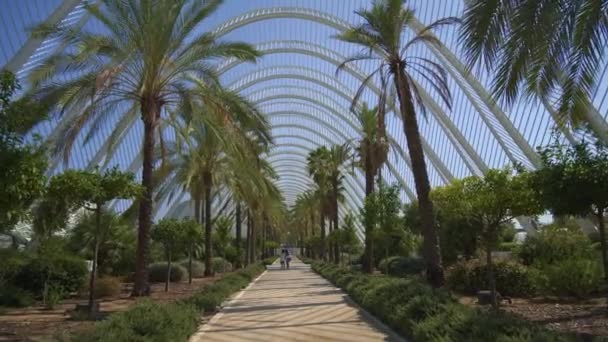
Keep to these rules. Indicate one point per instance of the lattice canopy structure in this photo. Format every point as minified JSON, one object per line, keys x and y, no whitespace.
{"x":295,"y":84}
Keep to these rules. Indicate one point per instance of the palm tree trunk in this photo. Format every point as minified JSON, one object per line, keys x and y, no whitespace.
{"x":150,"y":108}
{"x":208,"y":246}
{"x":322,"y":234}
{"x":190,"y":251}
{"x":253,"y":240}
{"x":237,"y":238}
{"x":168,"y":271}
{"x":432,"y":254}
{"x":602,"y":230}
{"x":197,"y":209}
{"x":336,"y":221}
{"x":248,"y":242}
{"x":330,"y":250}
{"x":92,"y":307}
{"x":369,"y":189}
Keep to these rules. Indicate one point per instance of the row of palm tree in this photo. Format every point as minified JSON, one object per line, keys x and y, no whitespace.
{"x":152,"y":61}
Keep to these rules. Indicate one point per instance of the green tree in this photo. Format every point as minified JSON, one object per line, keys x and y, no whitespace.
{"x":318,"y":167}
{"x":170,"y":234}
{"x":76,"y":189}
{"x":381,"y":34}
{"x":349,"y":242}
{"x":139,"y":65}
{"x":221,"y":236}
{"x":191,"y":230}
{"x":493,"y":201}
{"x":372,"y":152}
{"x":550,"y":49}
{"x":339,"y":155}
{"x":573,"y":181}
{"x":22,"y":165}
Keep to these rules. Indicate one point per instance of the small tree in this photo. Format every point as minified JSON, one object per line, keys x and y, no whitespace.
{"x":221,"y":236}
{"x":496,"y":199}
{"x":75,"y":189}
{"x":169,"y":233}
{"x":574,"y":181}
{"x":191,"y":232}
{"x":349,"y":241}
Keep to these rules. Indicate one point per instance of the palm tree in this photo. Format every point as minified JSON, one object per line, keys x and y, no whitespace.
{"x":138,"y":65}
{"x":318,"y":167}
{"x":550,"y":49}
{"x":372,"y":151}
{"x":381,"y":38}
{"x":338,"y":155}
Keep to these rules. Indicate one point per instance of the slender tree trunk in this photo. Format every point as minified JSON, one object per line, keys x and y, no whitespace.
{"x":602,"y":231}
{"x":368,"y":262}
{"x":237,"y":238}
{"x":323,"y":256}
{"x":491,"y":279}
{"x":330,"y":245}
{"x":432,"y":254}
{"x":190,"y":251}
{"x":168,"y":271}
{"x":197,"y":209}
{"x":253,"y":241}
{"x":150,"y":108}
{"x":248,"y":242}
{"x":92,"y":308}
{"x":336,"y":220}
{"x":208,"y":229}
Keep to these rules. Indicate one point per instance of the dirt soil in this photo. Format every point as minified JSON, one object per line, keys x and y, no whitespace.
{"x":40,"y":324}
{"x":587,"y":317}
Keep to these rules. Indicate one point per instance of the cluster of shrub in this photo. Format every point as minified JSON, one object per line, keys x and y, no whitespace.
{"x":417,"y":311}
{"x":50,"y":276}
{"x":149,"y":321}
{"x":556,"y":261}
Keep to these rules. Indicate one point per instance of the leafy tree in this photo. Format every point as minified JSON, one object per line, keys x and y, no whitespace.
{"x":318,"y":167}
{"x":140,"y":65}
{"x":494,"y":200}
{"x":381,"y":37}
{"x":349,"y":242}
{"x":75,"y":189}
{"x":574,"y":181}
{"x":221,"y":237}
{"x":22,"y":165}
{"x":170,"y":234}
{"x":550,"y":49}
{"x":339,"y":154}
{"x":191,"y":231}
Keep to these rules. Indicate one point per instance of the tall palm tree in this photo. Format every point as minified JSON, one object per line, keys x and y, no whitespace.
{"x":139,"y":64}
{"x":338,"y":155}
{"x":550,"y":49}
{"x":372,"y":151}
{"x":318,"y":167}
{"x":381,"y":37}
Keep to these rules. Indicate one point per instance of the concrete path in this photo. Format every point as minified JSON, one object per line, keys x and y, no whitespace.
{"x":292,"y":305}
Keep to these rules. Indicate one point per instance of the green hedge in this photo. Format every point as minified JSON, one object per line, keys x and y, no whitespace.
{"x":155,"y":322}
{"x":421,"y":313}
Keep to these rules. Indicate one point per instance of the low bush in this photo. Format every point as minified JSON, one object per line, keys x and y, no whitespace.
{"x":107,"y":287}
{"x":158,"y":272}
{"x":399,"y":266}
{"x":269,"y":261}
{"x":155,"y":322}
{"x":64,"y":272}
{"x":512,"y":279}
{"x":13,"y":296}
{"x":421,"y":313}
{"x":554,"y":244}
{"x":221,"y":265}
{"x":198,"y":267}
{"x":579,"y":278}
{"x":147,"y":321}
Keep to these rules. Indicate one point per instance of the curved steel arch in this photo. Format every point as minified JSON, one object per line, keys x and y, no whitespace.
{"x":441,"y":52}
{"x":460,"y":143}
{"x":266,"y":75}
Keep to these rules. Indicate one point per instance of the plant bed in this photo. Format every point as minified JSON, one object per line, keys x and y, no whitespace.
{"x":421,"y":313}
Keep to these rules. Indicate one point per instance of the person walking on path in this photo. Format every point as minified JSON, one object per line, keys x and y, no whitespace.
{"x":287,"y":257}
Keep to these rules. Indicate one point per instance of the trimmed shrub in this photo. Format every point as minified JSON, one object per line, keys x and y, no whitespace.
{"x":107,"y":287}
{"x":577,"y":278}
{"x":421,"y":313}
{"x":553,"y":244}
{"x":198,"y":268}
{"x":221,"y":265}
{"x":512,"y":279}
{"x":147,"y":321}
{"x":155,"y":322}
{"x":269,"y":261}
{"x":13,"y":296}
{"x":65,"y":273}
{"x":399,"y":266}
{"x":158,"y":272}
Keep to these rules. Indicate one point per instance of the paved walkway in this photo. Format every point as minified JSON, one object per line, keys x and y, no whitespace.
{"x":292,"y":305}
